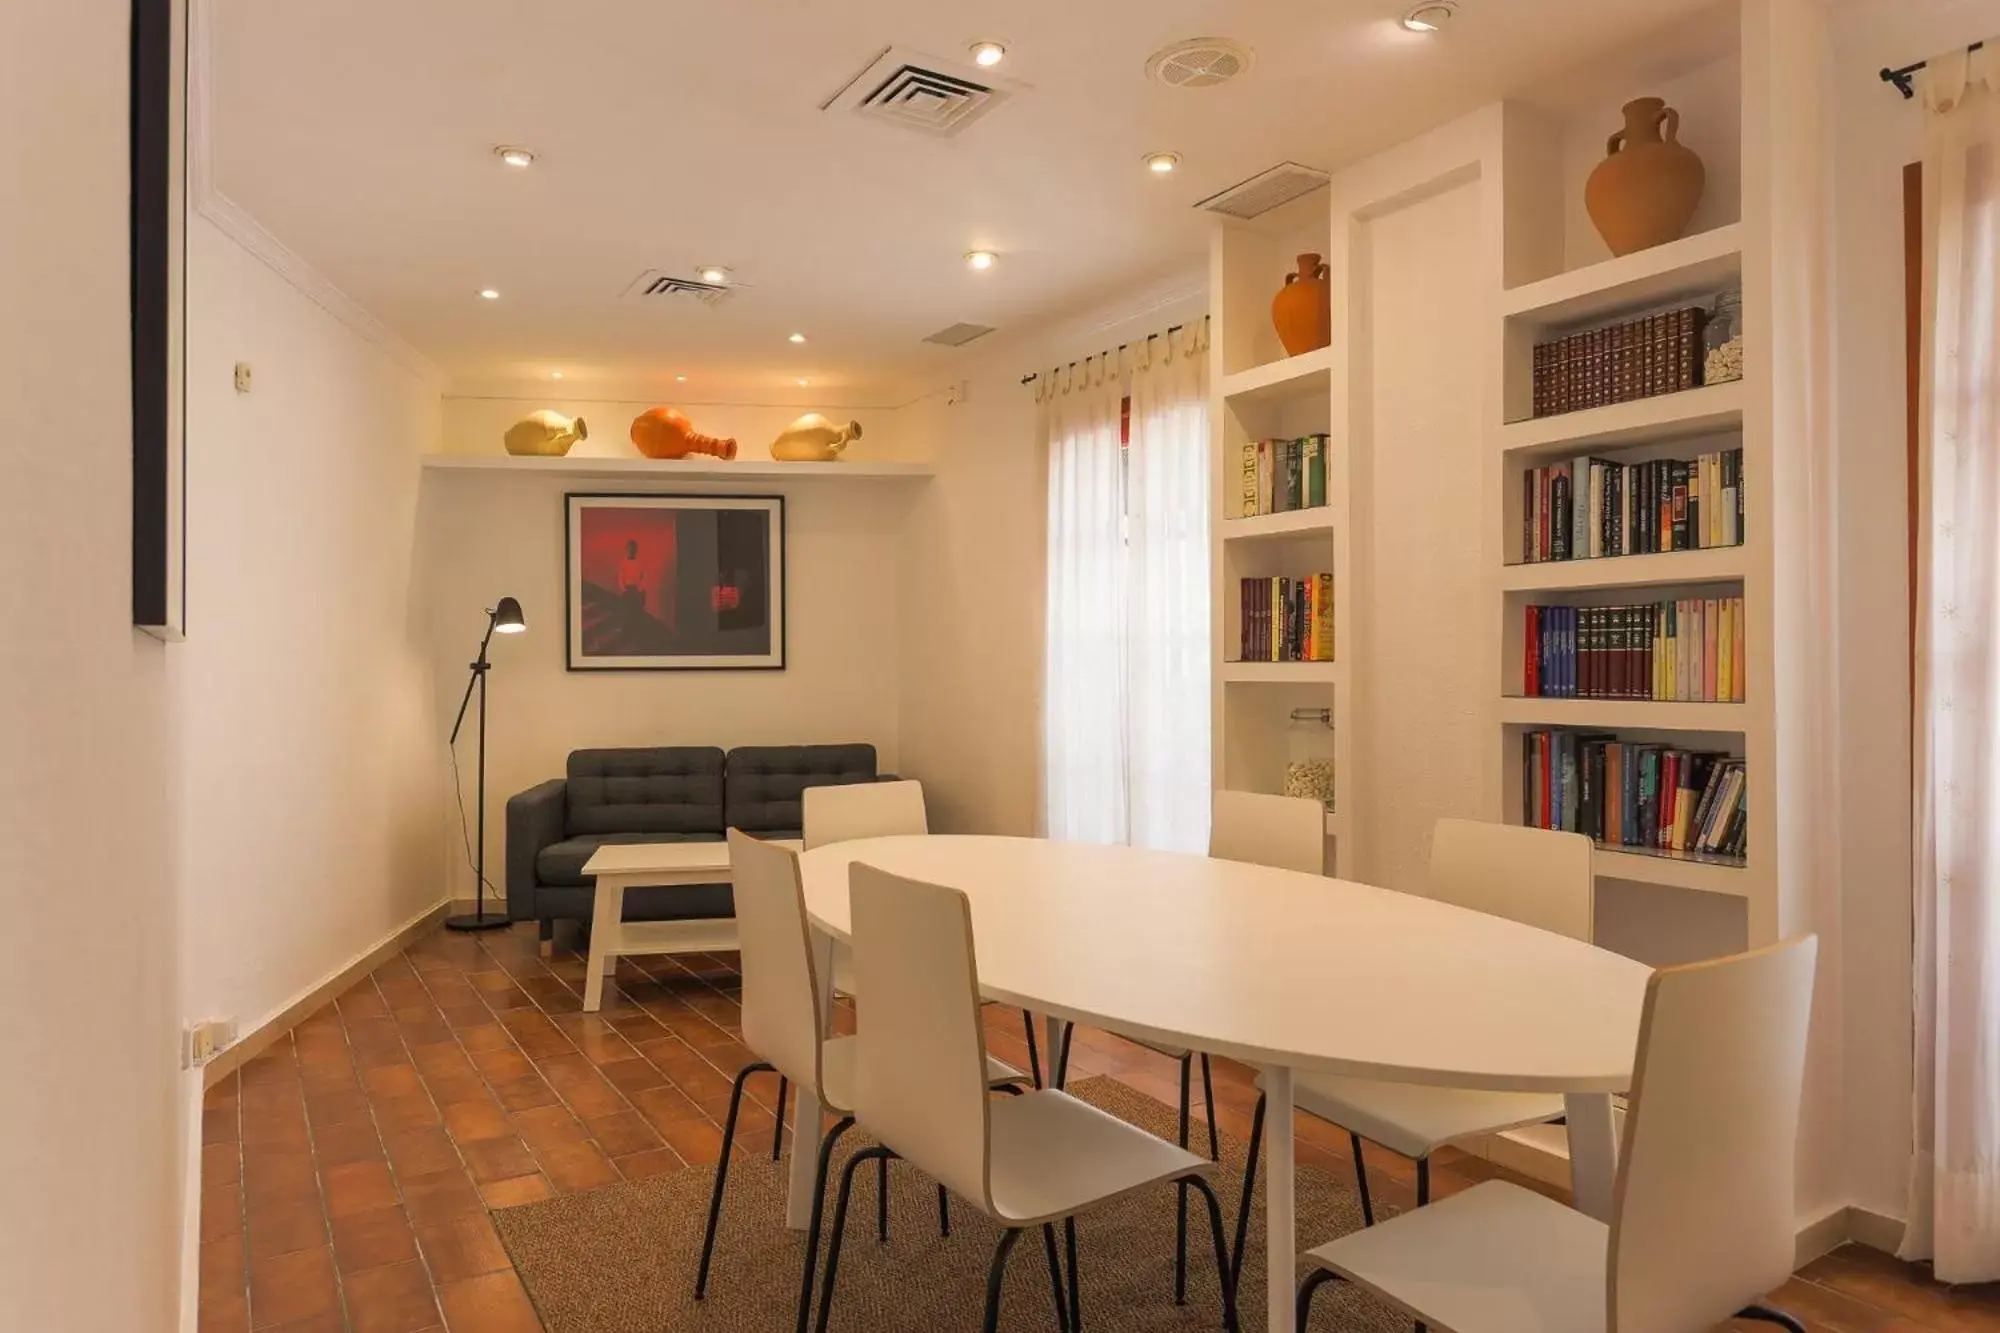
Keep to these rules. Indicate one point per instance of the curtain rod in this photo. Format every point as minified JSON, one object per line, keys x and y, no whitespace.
{"x":1171,"y":330}
{"x":1904,"y":78}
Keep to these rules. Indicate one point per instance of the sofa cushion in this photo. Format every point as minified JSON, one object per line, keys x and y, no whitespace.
{"x":762,"y":783}
{"x":686,"y":902}
{"x":675,"y":789}
{"x":563,"y":862}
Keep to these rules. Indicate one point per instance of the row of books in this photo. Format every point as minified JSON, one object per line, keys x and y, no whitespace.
{"x":1280,"y":476}
{"x":1689,"y":650}
{"x":1287,"y":619}
{"x":1624,"y":794}
{"x":1654,"y":354}
{"x":1591,"y":507}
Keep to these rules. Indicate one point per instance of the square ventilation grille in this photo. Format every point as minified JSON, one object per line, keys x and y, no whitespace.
{"x":958,"y":335}
{"x":913,"y":91}
{"x":1265,"y":191}
{"x":655,"y":283}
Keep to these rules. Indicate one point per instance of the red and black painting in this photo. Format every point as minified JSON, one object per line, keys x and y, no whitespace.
{"x":673,"y":582}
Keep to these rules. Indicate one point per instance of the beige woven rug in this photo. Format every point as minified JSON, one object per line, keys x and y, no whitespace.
{"x":622,"y":1259}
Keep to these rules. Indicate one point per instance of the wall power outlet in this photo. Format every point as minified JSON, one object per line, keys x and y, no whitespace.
{"x":206,"y":1040}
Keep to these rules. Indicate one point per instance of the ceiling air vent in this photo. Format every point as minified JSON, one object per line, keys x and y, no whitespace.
{"x":658,"y":282}
{"x":1265,"y":191}
{"x":1198,"y":62}
{"x":958,"y":335}
{"x":917,"y":92}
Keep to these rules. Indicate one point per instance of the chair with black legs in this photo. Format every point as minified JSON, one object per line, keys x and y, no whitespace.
{"x":784,"y":1025}
{"x":1026,"y":1162}
{"x":1535,"y":876}
{"x":1702,"y":1227}
{"x":1285,"y":832}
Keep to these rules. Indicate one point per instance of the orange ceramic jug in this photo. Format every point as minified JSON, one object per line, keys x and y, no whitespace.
{"x":661,"y":432}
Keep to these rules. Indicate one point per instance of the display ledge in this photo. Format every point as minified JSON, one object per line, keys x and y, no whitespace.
{"x":1701,"y":873}
{"x":689,"y":469}
{"x":1295,"y":377}
{"x":1694,"y":265}
{"x":1288,"y":524}
{"x":1710,"y":564}
{"x":1282,"y":673}
{"x":1648,"y":714}
{"x":1711,"y":410}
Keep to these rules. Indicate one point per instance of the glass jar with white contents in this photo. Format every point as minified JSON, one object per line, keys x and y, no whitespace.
{"x":1309,"y":755}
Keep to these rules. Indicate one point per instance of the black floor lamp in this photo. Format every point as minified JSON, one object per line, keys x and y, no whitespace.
{"x":504,"y":618}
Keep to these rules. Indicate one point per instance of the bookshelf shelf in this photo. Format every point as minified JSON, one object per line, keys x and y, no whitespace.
{"x":1675,"y":870}
{"x":1336,"y":825}
{"x":1647,"y":714}
{"x":1712,"y":564}
{"x":1282,"y":673}
{"x":681,"y":469}
{"x":1711,"y":410}
{"x":1692,"y":265}
{"x":1309,"y":376}
{"x":1318,"y":519}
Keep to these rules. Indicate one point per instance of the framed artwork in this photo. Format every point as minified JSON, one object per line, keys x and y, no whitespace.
{"x":676,"y":582}
{"x":158,"y":225}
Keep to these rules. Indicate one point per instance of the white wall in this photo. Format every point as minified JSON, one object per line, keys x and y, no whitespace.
{"x":90,"y":1124}
{"x":309,"y":772}
{"x":972,"y":585}
{"x":1426,"y":706}
{"x":1875,"y":133}
{"x":490,"y":535}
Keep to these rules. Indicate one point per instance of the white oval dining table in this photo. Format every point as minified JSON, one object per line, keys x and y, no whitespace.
{"x":1281,"y":970}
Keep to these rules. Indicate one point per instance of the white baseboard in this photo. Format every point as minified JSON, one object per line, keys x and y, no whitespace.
{"x":1878,"y":1231}
{"x":247,"y":1046}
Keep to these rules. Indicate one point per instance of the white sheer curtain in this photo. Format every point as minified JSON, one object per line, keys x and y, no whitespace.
{"x":1126,"y":677}
{"x":1083,"y":716}
{"x":1167,"y":506}
{"x":1955,"y":1181}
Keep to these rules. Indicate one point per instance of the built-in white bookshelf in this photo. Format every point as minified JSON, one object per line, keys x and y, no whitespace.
{"x":1267,"y":714}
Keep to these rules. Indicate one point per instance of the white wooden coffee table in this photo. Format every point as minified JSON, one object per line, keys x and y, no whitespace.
{"x":622,"y":866}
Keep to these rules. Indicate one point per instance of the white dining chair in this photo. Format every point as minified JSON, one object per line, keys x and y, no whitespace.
{"x":1027,"y":1161}
{"x":1539,"y":877}
{"x":1702,"y":1227}
{"x":785,"y":1025}
{"x":1285,"y":832}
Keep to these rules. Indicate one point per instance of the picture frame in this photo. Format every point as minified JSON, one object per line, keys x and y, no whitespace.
{"x":158,"y":233}
{"x":674,"y":582}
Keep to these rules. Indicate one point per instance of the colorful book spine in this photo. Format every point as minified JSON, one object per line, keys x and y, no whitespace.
{"x":1589,"y":508}
{"x":1633,"y":794}
{"x":1690,"y":650}
{"x":1286,"y":619}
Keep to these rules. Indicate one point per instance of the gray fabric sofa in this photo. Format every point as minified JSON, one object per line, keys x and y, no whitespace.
{"x":668,"y":794}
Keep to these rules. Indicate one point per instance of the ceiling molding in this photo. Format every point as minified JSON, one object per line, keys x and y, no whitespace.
{"x":236,"y":222}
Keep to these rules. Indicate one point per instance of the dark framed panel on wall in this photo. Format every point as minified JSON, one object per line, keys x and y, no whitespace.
{"x":675,"y":582}
{"x":159,"y":121}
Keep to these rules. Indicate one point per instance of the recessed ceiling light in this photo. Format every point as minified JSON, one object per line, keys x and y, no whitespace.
{"x":515,"y":157}
{"x":798,"y":337}
{"x":555,"y":374}
{"x":988,"y":54}
{"x":489,"y":293}
{"x":1162,"y":163}
{"x":714,"y":274}
{"x":803,"y":383}
{"x":1429,"y":17}
{"x":680,"y":379}
{"x":980,"y":259}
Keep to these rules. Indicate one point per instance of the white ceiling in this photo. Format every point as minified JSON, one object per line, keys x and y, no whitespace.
{"x":673,"y":134}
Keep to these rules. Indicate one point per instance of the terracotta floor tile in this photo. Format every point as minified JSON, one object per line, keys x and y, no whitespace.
{"x":622,"y":1134}
{"x":550,"y":1125}
{"x":225,"y":1313}
{"x":282,"y":1230}
{"x":439,"y":1197}
{"x":223,"y":1266}
{"x":292,"y":1287}
{"x":340,"y":1108}
{"x":519,"y":1190}
{"x":497,"y":1159}
{"x":484,"y":1039}
{"x":462,"y":1247}
{"x":326,"y":1323}
{"x":276,"y":1179}
{"x":470,"y":1121}
{"x":371,"y":1239}
{"x":639,"y":1165}
{"x":522,"y":1094}
{"x":697,"y":1141}
{"x":357,"y":1187}
{"x":494,"y":1303}
{"x":397,"y":1298}
{"x":221,"y":1212}
{"x":419,"y":1152}
{"x":630,"y":1076}
{"x":337,"y":1145}
{"x":502,"y":1063}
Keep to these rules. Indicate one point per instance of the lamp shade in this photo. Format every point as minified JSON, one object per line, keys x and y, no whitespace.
{"x":507,"y":617}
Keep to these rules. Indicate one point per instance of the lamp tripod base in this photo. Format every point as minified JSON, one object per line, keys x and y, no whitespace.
{"x":477,"y":921}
